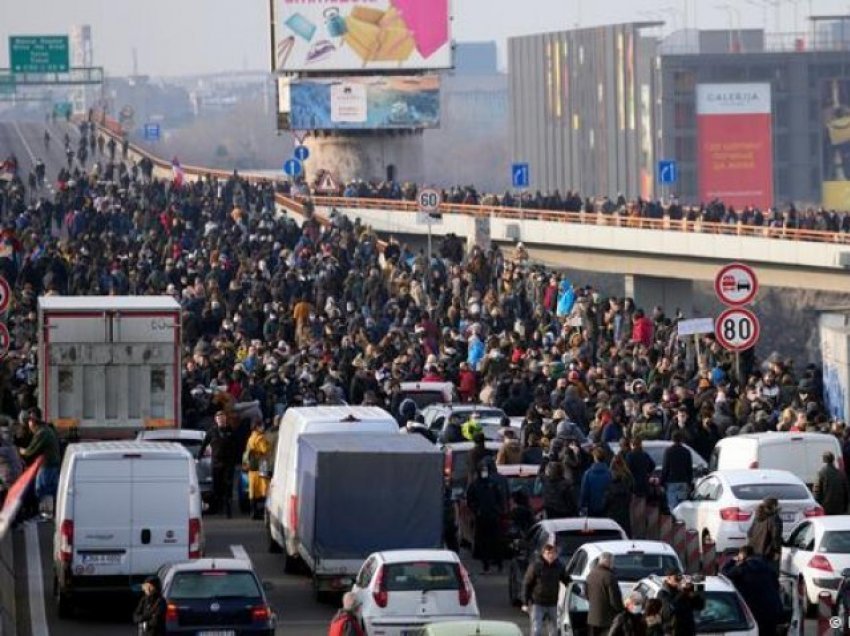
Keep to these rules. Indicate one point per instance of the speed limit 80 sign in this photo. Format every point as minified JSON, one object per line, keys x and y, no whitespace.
{"x":737,"y":329}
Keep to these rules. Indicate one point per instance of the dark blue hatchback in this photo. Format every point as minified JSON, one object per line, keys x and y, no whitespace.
{"x":215,"y":597}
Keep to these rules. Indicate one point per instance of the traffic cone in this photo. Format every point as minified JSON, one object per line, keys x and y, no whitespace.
{"x":709,"y":558}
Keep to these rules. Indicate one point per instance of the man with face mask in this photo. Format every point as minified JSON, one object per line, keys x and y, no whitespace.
{"x":224,"y":446}
{"x":630,"y":622}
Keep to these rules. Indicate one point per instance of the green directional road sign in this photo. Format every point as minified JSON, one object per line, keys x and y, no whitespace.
{"x":38,"y":53}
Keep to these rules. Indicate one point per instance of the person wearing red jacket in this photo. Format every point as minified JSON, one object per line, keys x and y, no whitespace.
{"x":642,"y":329}
{"x":467,"y":383}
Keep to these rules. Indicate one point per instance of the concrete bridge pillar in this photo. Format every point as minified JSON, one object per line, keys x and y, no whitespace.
{"x":368,"y":155}
{"x":669,"y":293}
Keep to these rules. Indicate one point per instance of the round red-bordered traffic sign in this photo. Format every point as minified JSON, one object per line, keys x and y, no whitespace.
{"x":5,"y":294}
{"x":4,"y":340}
{"x":736,"y":284}
{"x":737,"y":329}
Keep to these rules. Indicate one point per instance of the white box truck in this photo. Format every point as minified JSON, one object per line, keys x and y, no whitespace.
{"x":109,"y":366}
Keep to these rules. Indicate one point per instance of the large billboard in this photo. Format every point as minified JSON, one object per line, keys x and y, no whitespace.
{"x":835,"y":162}
{"x":361,"y":35}
{"x":735,"y":152}
{"x":360,"y":103}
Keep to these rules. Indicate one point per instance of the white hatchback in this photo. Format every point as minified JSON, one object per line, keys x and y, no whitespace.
{"x":815,"y":554}
{"x":401,"y":591}
{"x":633,"y":561}
{"x":723,"y":505}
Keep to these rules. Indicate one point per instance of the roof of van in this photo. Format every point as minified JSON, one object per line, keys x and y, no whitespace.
{"x":121,"y":448}
{"x":98,"y":303}
{"x":335,"y":413}
{"x":359,"y":443}
{"x":779,"y":435}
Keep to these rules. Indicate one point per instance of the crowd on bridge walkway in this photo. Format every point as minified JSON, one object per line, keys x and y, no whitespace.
{"x":322,"y":313}
{"x":787,"y":217}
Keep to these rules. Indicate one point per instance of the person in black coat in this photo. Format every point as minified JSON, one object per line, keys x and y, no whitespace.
{"x":486,"y":501}
{"x":641,"y":466}
{"x":558,"y":493}
{"x":224,"y":445}
{"x":150,"y":612}
{"x":679,"y":602}
{"x":757,"y":582}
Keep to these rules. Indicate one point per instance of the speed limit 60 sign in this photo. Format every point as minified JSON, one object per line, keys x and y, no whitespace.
{"x":429,"y":201}
{"x":737,"y":329}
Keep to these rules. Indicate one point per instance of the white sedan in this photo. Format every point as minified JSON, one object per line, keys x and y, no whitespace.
{"x":815,"y":554}
{"x":724,"y":503}
{"x":633,"y":561}
{"x":401,"y":591}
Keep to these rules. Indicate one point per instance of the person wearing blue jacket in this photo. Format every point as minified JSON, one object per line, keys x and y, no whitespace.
{"x":594,"y":484}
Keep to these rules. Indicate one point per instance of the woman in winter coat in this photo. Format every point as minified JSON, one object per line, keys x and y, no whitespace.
{"x":558,"y":493}
{"x":618,"y":496}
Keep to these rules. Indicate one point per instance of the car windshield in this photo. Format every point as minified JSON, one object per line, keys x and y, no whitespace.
{"x":188,"y":586}
{"x":421,"y":576}
{"x":638,"y":565}
{"x":568,"y":541}
{"x":423,"y":398}
{"x":486,"y":416}
{"x":722,"y":613}
{"x":757,"y":492}
{"x":836,"y":542}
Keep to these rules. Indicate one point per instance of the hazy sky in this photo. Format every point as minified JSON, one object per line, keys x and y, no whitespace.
{"x":175,"y":37}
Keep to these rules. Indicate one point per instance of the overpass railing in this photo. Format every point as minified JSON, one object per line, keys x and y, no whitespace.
{"x":519,"y":214}
{"x":11,"y":508}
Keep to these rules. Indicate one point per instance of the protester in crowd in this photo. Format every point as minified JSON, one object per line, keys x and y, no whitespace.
{"x":345,"y":621}
{"x":758,"y":583}
{"x":558,"y":493}
{"x":224,"y":446}
{"x":256,"y":454}
{"x":487,"y":503}
{"x":540,"y":588}
{"x":680,"y":601}
{"x":603,"y":596}
{"x":594,"y":486}
{"x":765,"y":533}
{"x":44,"y":444}
{"x":149,"y":614}
{"x":830,"y":488}
{"x":618,"y":494}
{"x":677,"y":472}
{"x":630,"y":622}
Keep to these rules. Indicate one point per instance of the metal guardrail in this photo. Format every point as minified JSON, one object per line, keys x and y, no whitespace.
{"x":15,"y":497}
{"x":520,"y":214}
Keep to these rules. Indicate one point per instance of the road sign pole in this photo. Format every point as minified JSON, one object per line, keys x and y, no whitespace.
{"x":428,"y":264}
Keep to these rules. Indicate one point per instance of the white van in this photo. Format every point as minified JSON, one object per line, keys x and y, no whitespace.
{"x":123,"y":509}
{"x":282,"y":496}
{"x":798,"y":453}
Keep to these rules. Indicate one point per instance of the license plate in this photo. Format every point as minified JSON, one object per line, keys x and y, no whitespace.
{"x":218,"y":632}
{"x":788,"y":517}
{"x":101,"y":559}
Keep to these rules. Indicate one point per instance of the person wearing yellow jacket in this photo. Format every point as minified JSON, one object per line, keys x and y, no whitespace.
{"x":256,"y":455}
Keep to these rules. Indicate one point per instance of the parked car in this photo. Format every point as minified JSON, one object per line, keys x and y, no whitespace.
{"x":656,"y":448}
{"x":798,"y":453}
{"x":191,"y":440}
{"x":633,"y":561}
{"x":522,"y":477}
{"x":401,"y":591}
{"x":724,"y":502}
{"x":568,"y":535}
{"x":815,"y":555}
{"x":215,"y":596}
{"x":724,"y":612}
{"x":437,"y":416}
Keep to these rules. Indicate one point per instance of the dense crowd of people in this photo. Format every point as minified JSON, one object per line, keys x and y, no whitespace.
{"x":778,"y":217}
{"x":320,"y":312}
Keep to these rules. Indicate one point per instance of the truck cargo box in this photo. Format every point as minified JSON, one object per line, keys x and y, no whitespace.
{"x":109,"y":366}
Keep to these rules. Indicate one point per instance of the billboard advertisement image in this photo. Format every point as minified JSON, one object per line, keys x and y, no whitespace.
{"x":735,"y":144}
{"x":357,"y":35}
{"x":362,"y":103}
{"x":835,"y":115}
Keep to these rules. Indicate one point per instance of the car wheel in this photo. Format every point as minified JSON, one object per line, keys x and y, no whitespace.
{"x":64,"y":606}
{"x":807,"y":609}
{"x":274,"y":546}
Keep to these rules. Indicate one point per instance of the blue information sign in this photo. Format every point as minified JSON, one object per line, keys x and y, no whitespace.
{"x":292,"y":167}
{"x":152,"y":132}
{"x":668,"y":172}
{"x":520,"y":177}
{"x":302,"y":153}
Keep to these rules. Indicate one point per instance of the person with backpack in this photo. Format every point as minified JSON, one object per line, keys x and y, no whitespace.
{"x":345,"y":622}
